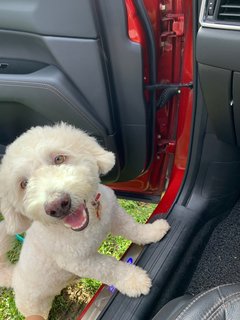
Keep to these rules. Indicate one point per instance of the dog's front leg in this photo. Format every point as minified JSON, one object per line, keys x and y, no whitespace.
{"x":124,"y":225}
{"x":128,"y":279}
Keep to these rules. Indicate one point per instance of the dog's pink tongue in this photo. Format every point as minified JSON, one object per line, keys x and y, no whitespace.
{"x":78,"y":219}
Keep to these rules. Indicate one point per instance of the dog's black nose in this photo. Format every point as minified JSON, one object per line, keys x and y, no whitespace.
{"x":59,"y":207}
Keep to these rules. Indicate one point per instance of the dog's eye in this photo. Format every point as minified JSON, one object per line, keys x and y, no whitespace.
{"x":23,"y":184}
{"x":59,"y":159}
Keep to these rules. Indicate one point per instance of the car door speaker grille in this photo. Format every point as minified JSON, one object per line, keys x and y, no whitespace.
{"x":229,"y":10}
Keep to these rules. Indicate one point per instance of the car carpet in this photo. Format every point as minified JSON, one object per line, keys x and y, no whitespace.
{"x":220,"y":262}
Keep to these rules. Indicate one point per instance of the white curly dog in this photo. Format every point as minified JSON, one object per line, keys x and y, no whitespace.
{"x":49,"y":186}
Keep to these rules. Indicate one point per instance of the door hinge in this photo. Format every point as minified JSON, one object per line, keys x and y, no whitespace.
{"x":165,"y":146}
{"x":173,"y":25}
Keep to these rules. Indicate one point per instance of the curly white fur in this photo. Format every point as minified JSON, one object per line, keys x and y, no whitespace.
{"x":53,"y":254}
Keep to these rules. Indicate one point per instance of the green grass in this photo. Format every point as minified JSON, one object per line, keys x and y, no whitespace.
{"x":73,"y":298}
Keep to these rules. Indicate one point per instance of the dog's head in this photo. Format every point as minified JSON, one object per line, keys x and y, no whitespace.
{"x":48,"y":174}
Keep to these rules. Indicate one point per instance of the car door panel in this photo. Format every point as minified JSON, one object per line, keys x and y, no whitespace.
{"x":49,"y":17}
{"x":52,"y":88}
{"x":79,"y":73}
{"x":126,"y":81}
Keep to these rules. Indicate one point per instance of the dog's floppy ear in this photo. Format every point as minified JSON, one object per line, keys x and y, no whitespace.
{"x":105,"y":159}
{"x":15,"y":221}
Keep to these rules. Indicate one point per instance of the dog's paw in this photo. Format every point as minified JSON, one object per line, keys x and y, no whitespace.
{"x":135,"y":283}
{"x":159,"y":228}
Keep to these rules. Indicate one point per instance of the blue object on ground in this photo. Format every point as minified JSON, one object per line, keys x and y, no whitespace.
{"x":19,"y":238}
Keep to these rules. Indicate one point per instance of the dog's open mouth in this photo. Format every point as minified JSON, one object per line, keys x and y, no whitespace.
{"x":77,"y":220}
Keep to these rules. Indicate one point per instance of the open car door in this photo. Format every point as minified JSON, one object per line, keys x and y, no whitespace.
{"x":95,"y":64}
{"x":121,"y":70}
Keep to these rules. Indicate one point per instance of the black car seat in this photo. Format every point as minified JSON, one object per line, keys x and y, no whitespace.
{"x":219,"y":303}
